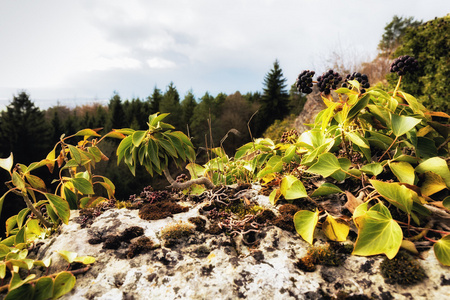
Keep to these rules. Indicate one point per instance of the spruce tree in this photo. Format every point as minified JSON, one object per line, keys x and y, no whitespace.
{"x":187,"y":106}
{"x":23,"y":131}
{"x":154,"y":100}
{"x":170,"y":103}
{"x":274,"y":101}
{"x":116,"y":118}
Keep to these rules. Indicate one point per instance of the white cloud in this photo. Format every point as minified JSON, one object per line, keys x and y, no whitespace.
{"x":105,"y":64}
{"x":160,"y":63}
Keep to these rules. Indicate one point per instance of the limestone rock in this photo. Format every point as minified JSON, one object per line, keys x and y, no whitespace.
{"x":206,"y":266}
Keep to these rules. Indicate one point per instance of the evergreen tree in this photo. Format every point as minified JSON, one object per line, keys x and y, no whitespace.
{"x":274,"y":101}
{"x":57,"y":127}
{"x":187,"y":106}
{"x":101,"y":117}
{"x":23,"y":131}
{"x":154,"y":100}
{"x":170,"y":103}
{"x":116,"y":118}
{"x":393,"y":33}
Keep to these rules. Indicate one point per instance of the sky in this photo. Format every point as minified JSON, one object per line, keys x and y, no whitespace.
{"x":83,"y":51}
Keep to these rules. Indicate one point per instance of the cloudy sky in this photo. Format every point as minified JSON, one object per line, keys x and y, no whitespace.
{"x":82,"y":51}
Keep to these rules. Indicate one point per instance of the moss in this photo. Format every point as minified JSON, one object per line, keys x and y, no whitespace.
{"x":160,"y":210}
{"x":322,"y":255}
{"x":402,"y":269}
{"x":143,"y":244}
{"x":123,"y":204}
{"x":131,"y":233}
{"x":265,"y":216}
{"x":202,"y":251}
{"x":288,"y":209}
{"x":112,"y":242}
{"x":199,"y":223}
{"x":284,"y":221}
{"x":173,"y":233}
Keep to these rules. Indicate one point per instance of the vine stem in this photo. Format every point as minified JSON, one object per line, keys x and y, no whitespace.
{"x":185,"y":185}
{"x":33,"y":209}
{"x":397,"y":87}
{"x":423,"y":228}
{"x":388,"y":149}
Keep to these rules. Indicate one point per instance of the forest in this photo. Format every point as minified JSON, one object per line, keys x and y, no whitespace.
{"x":222,"y":120}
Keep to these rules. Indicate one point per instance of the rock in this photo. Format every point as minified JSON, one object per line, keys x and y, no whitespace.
{"x":314,"y":104}
{"x":206,"y":266}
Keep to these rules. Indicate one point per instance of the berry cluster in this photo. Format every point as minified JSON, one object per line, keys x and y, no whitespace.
{"x":290,"y":136}
{"x":328,"y":81}
{"x":404,"y":64}
{"x":304,"y":81}
{"x":361,"y":78}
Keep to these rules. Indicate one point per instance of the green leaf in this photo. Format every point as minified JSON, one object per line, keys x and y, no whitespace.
{"x":403,"y":171}
{"x":305,"y":223}
{"x":289,"y":154}
{"x":415,"y":105}
{"x":357,"y":139}
{"x":167,"y":145}
{"x":21,"y":216}
{"x":20,"y":237}
{"x":372,"y":169}
{"x":274,"y":196}
{"x":24,"y":292}
{"x":43,"y":263}
{"x":378,"y":233}
{"x":335,"y":229}
{"x":96,"y":153}
{"x":33,"y":227}
{"x":2,"y":267}
{"x":86,"y":260}
{"x":87,"y":133}
{"x":70,"y":197}
{"x":436,"y":165}
{"x":195,"y":170}
{"x":292,"y":188}
{"x":326,"y":189}
{"x":18,"y":182}
{"x":82,"y":185}
{"x":396,"y":194}
{"x":123,"y":146}
{"x":326,"y":165}
{"x":7,"y":163}
{"x":137,"y":137}
{"x":426,"y":147}
{"x":75,"y":153}
{"x":446,"y":202}
{"x":358,"y":106}
{"x":403,"y":124}
{"x":26,"y":264}
{"x":176,"y":142}
{"x":59,"y":206}
{"x":16,"y":281}
{"x":43,"y":288}
{"x":67,"y":255}
{"x":63,"y":284}
{"x":155,"y":118}
{"x":35,"y":182}
{"x":442,"y":250}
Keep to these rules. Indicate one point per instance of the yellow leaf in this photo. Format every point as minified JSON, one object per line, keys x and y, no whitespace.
{"x":433,"y":184}
{"x":335,"y":229}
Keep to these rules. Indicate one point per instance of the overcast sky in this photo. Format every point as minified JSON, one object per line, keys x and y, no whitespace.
{"x":82,"y":51}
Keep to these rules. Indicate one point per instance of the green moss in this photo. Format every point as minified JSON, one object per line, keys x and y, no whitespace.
{"x":321,"y":255}
{"x":402,"y":269}
{"x":177,"y":231}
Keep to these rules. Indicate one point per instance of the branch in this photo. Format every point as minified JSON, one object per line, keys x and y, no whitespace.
{"x":185,"y":185}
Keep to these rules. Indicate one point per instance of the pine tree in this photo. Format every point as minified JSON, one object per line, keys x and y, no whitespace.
{"x":187,"y":106}
{"x":154,"y":100}
{"x":116,"y":118}
{"x":170,"y":103}
{"x":274,"y":101}
{"x":23,"y":131}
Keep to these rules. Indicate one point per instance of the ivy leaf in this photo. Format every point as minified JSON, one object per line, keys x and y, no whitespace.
{"x":436,"y":165}
{"x":7,"y":163}
{"x":326,"y":165}
{"x":326,"y":189}
{"x":305,"y":223}
{"x":18,"y":182}
{"x":403,"y":171}
{"x":289,"y":154}
{"x":446,"y":202}
{"x":402,"y":124}
{"x":372,"y":169}
{"x":292,"y":188}
{"x":378,"y":233}
{"x":86,"y":260}
{"x":398,"y":195}
{"x":59,"y":206}
{"x":274,"y":196}
{"x":68,"y":255}
{"x":357,"y":139}
{"x":16,"y":281}
{"x":43,"y":288}
{"x":442,"y":250}
{"x":335,"y":229}
{"x":24,"y":292}
{"x":64,"y":283}
{"x":433,"y":183}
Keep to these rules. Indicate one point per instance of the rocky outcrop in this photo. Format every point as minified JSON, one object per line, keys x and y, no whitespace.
{"x":202,"y":265}
{"x":314,"y":104}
